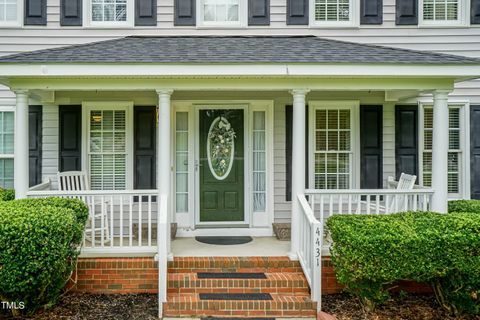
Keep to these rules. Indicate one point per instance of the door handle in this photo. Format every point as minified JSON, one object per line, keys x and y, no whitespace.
{"x":197,"y":165}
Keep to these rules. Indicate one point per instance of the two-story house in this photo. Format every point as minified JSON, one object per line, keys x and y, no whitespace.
{"x":231,"y":109}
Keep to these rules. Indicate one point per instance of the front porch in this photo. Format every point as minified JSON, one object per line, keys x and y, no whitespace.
{"x":227,"y":144}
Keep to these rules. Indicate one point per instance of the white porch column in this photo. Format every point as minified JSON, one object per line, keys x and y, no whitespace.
{"x":164,"y":150}
{"x":298,"y":165}
{"x":21,"y":145}
{"x":440,"y":151}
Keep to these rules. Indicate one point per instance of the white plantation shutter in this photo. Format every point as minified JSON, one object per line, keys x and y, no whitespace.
{"x":333,"y":148}
{"x":440,"y":10}
{"x":332,"y":10}
{"x":108,"y":149}
{"x":454,"y":152}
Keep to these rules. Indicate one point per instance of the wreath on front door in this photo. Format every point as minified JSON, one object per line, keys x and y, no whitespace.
{"x":221,"y":146}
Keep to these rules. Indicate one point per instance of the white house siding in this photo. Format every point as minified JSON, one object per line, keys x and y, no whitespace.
{"x":458,"y":40}
{"x":50,"y":144}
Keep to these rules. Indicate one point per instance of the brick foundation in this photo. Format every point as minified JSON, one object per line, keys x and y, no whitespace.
{"x":116,"y":275}
{"x":140,"y":275}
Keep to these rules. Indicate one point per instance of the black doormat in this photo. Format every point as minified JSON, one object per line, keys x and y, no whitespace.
{"x":235,"y":296}
{"x":231,"y":275}
{"x":224,"y":241}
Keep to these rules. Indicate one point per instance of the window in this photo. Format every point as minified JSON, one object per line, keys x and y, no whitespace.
{"x":111,"y":13}
{"x":333,"y":13}
{"x":6,"y":149}
{"x":107,"y":149}
{"x":441,"y":12}
{"x":454,"y":152}
{"x":10,"y":13}
{"x":181,"y":162}
{"x":222,"y":13}
{"x":259,"y":161}
{"x":333,"y":148}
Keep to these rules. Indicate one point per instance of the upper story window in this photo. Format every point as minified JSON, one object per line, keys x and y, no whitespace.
{"x":334,"y":13}
{"x":110,"y":13}
{"x":442,"y":12}
{"x":10,"y":13}
{"x":222,"y":13}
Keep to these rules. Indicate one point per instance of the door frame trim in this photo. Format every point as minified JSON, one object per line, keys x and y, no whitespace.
{"x":247,"y":162}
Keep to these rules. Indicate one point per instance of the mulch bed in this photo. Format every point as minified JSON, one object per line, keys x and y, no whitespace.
{"x":78,"y":306}
{"x":407,"y":307}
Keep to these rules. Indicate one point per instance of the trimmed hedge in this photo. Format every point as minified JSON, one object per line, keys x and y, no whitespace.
{"x":372,"y":252}
{"x":7,"y":194}
{"x":39,"y":246}
{"x":464,"y":206}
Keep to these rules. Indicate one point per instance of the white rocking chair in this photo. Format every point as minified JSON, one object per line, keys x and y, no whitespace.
{"x":393,"y":203}
{"x":78,"y":181}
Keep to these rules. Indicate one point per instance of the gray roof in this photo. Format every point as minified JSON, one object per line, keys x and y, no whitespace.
{"x":231,"y":49}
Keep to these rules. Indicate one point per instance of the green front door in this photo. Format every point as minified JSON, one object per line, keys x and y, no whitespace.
{"x":221,"y":165}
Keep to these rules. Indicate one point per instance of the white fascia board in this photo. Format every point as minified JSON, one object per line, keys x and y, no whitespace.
{"x":264,"y":70}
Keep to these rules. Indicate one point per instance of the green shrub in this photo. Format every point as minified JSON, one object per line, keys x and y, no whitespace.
{"x":464,"y":206}
{"x":7,"y":194}
{"x":39,"y":245}
{"x":370,"y":253}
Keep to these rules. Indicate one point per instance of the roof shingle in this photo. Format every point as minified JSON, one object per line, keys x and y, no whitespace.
{"x":231,"y":49}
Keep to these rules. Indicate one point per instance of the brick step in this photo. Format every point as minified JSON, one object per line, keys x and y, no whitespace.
{"x":233,"y":264}
{"x":281,"y":305}
{"x":288,"y":282}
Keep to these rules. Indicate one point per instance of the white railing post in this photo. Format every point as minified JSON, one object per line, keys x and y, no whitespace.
{"x":298,"y":166}
{"x":162,"y":255}
{"x":317,"y":237}
{"x":21,"y":145}
{"x":440,"y":151}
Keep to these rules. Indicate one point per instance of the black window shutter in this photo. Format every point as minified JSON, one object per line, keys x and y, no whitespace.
{"x":288,"y":150}
{"x":475,"y":151}
{"x":406,"y":140}
{"x":297,"y":12}
{"x":258,"y":12}
{"x":371,"y":11}
{"x":371,"y":147}
{"x":475,"y":12}
{"x":406,"y":12}
{"x":184,"y":13}
{"x":35,"y":12}
{"x":71,"y":12}
{"x":35,"y":145}
{"x":144,"y":147}
{"x":70,"y":138}
{"x":145,"y":12}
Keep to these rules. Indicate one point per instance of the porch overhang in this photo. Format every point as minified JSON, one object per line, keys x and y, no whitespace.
{"x":233,"y":62}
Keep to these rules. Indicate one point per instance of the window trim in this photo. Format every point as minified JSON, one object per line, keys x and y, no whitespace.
{"x":88,"y":22}
{"x":87,"y":106}
{"x":16,"y":23}
{"x":241,"y":23}
{"x":354,"y":107}
{"x":353,"y":22}
{"x":462,"y":21}
{"x":464,"y":151}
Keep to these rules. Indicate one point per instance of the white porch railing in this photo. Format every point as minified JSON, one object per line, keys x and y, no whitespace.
{"x":310,"y":249}
{"x":322,"y":204}
{"x":326,"y":203}
{"x":120,"y":221}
